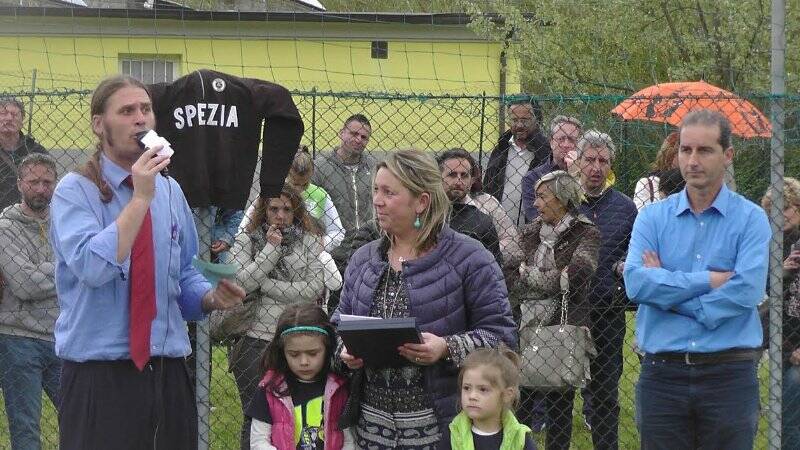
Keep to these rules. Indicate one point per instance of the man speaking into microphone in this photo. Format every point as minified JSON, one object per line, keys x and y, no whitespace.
{"x":123,"y":238}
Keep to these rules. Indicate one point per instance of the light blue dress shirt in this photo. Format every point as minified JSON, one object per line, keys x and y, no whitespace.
{"x":678,"y":310}
{"x":94,"y":290}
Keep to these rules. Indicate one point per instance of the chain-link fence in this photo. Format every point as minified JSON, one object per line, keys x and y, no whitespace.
{"x":637,"y":172}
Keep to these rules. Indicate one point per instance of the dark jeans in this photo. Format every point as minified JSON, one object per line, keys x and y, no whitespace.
{"x":790,"y":435}
{"x":608,"y":333}
{"x":28,"y":366}
{"x":533,"y":413}
{"x":708,"y":406}
{"x":111,"y":404}
{"x":244,"y":360}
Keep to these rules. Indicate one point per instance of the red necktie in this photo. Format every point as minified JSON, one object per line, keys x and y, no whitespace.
{"x":143,"y":291}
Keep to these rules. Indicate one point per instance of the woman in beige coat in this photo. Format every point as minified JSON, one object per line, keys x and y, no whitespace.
{"x":278,"y":254}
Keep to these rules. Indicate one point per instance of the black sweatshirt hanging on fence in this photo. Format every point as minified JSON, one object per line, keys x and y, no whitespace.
{"x":213,"y":121}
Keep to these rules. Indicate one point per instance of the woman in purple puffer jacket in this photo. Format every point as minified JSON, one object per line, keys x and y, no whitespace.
{"x":449,"y":282}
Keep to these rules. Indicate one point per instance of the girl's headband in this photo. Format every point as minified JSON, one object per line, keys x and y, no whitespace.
{"x":303,"y":329}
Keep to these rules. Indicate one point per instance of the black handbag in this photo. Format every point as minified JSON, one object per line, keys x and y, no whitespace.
{"x":352,"y":409}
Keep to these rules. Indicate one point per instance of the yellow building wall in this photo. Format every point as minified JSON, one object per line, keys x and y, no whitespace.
{"x":413,"y":68}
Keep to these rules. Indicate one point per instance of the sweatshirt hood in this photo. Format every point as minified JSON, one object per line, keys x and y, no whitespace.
{"x":14,"y":212}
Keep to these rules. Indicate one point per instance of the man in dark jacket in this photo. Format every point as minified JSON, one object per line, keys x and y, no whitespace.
{"x":613,"y":213}
{"x":519,"y":150}
{"x":564,"y":134}
{"x":466,"y":218}
{"x":14,"y":146}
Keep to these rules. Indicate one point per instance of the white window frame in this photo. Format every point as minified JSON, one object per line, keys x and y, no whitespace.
{"x":127,"y":61}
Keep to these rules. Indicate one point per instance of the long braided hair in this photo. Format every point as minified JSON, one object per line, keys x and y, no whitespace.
{"x":91,"y":169}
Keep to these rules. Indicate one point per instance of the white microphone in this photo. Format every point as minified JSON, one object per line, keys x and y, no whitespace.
{"x":149,"y":139}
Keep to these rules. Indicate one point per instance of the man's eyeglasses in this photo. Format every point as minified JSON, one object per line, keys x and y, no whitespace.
{"x":569,"y":139}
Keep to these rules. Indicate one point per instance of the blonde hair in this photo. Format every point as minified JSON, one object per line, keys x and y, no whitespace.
{"x":791,"y":194}
{"x":302,"y":164}
{"x":564,"y":187}
{"x":500,"y":366}
{"x":418,"y":172}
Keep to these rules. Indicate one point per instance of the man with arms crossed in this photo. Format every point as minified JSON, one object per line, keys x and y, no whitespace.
{"x":697,"y":266}
{"x":123,"y":238}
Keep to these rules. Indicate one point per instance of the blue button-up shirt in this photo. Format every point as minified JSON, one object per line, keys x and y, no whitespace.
{"x":94,"y":289}
{"x":678,"y":310}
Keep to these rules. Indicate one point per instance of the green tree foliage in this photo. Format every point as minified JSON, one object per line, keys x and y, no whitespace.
{"x":400,"y":6}
{"x":619,"y":46}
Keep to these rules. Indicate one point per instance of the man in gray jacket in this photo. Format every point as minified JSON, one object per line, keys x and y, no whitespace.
{"x":346,"y":173}
{"x":28,"y":309}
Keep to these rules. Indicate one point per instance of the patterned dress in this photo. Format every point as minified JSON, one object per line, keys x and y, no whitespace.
{"x":396,"y":410}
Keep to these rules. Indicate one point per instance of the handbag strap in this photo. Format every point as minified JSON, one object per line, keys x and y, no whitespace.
{"x":564,"y":307}
{"x":563,"y":319}
{"x":564,"y":295}
{"x":564,"y":284}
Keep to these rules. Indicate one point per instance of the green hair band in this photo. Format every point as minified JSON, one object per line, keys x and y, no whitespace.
{"x":304,"y":328}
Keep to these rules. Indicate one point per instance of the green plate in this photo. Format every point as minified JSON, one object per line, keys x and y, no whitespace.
{"x":213,"y":271}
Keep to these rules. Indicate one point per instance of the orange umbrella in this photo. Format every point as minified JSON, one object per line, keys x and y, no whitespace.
{"x":670,"y":102}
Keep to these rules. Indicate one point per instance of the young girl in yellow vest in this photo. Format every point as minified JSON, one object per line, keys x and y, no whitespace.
{"x":489,"y":381}
{"x":299,"y":401}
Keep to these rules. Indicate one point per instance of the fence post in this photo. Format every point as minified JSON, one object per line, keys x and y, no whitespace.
{"x":30,"y":106}
{"x":314,"y":122}
{"x":777,"y":141}
{"x":483,"y":123}
{"x":205,"y":221}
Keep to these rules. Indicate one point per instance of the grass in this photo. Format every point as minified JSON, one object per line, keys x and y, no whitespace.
{"x":226,"y":416}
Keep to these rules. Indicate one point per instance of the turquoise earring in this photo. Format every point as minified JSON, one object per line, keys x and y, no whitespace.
{"x":417,"y":223}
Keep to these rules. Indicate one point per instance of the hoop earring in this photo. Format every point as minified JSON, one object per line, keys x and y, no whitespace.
{"x":417,"y":223}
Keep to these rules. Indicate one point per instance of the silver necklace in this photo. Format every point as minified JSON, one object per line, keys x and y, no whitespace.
{"x":387,"y":313}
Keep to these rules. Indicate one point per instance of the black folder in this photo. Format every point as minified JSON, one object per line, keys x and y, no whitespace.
{"x":376,"y":340}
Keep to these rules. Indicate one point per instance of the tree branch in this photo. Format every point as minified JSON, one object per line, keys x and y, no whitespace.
{"x":751,"y":47}
{"x":676,"y":37}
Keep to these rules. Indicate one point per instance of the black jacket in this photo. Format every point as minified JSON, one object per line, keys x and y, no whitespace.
{"x":213,"y":121}
{"x":353,"y":240}
{"x":494,"y":178}
{"x":9,"y":194}
{"x":468,"y":220}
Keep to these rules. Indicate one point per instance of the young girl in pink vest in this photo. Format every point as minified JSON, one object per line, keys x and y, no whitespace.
{"x":299,"y":400}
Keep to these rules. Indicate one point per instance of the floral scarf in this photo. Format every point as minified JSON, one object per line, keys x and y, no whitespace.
{"x":543,"y":275}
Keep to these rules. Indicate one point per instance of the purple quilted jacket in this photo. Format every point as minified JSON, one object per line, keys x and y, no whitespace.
{"x":454,"y":288}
